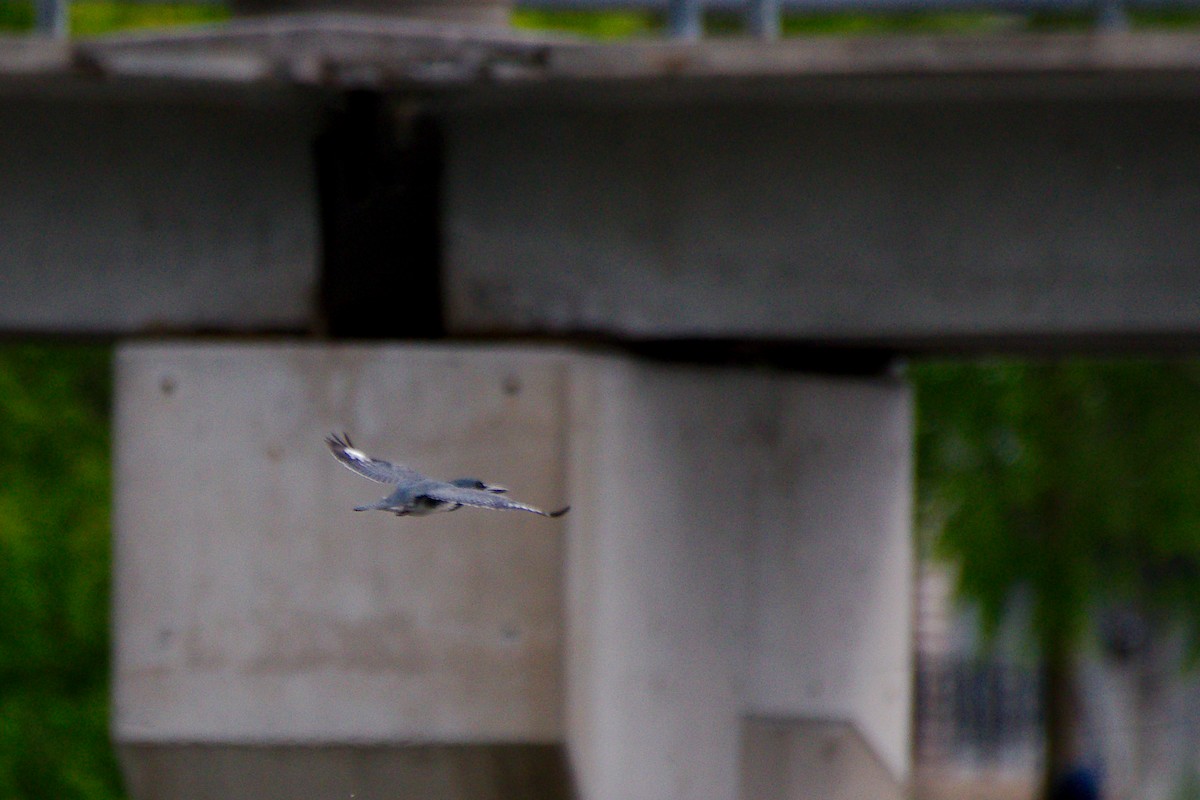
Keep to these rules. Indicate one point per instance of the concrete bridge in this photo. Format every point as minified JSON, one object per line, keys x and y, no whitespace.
{"x":663,"y":282}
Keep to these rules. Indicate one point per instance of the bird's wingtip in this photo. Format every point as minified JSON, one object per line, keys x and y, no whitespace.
{"x":337,"y":442}
{"x":560,"y":512}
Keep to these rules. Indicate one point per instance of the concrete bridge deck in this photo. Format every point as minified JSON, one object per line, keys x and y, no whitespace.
{"x":884,"y":191}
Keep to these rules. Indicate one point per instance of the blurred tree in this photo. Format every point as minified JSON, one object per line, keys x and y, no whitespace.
{"x":88,"y":17}
{"x":100,"y":16}
{"x":1075,"y":483}
{"x":54,"y":574}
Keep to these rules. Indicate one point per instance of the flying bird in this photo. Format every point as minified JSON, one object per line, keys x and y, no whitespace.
{"x":416,"y":495}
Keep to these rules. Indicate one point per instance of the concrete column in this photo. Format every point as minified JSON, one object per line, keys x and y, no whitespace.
{"x":738,"y":582}
{"x":723,"y":614}
{"x":270,"y":638}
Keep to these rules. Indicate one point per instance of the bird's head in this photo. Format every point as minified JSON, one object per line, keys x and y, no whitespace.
{"x":475,"y":483}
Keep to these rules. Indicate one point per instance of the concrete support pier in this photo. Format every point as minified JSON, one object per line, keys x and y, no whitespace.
{"x":738,"y":577}
{"x":723,"y":614}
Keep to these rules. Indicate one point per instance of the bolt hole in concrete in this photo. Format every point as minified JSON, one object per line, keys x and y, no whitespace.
{"x":164,"y":637}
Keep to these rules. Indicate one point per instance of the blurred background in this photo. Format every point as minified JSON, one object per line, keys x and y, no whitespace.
{"x":54,"y":572}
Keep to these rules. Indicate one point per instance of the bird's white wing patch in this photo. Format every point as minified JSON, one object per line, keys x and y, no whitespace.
{"x":375,"y":469}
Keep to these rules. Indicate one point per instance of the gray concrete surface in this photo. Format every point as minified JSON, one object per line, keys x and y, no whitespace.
{"x":139,"y":216}
{"x":931,"y":222}
{"x":293,"y":771}
{"x":799,"y":758}
{"x":386,"y":52}
{"x":254,"y":606}
{"x":737,"y":548}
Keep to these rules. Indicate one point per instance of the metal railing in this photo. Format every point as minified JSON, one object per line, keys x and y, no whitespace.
{"x":975,"y":712}
{"x":50,"y":17}
{"x":685,"y":18}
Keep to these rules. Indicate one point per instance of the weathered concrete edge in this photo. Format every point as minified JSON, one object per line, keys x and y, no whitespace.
{"x":358,"y":51}
{"x":849,"y":724}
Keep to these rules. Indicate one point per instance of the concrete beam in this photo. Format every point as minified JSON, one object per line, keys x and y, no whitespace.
{"x":474,"y":63}
{"x":885,"y":191}
{"x":726,"y":604}
{"x":125,"y":216}
{"x":916,"y":222}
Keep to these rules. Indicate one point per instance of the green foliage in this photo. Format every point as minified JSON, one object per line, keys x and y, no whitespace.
{"x":627,"y":24}
{"x":1188,"y":786}
{"x":16,"y":16}
{"x":1077,"y":482}
{"x":910,"y":23}
{"x":101,"y":16}
{"x":54,"y":573}
{"x":90,"y":18}
{"x":597,"y":25}
{"x":619,"y":24}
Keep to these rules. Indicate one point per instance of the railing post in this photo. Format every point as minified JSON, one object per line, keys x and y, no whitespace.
{"x":1112,"y":15}
{"x":685,"y":19}
{"x":762,"y":18}
{"x":50,"y":18}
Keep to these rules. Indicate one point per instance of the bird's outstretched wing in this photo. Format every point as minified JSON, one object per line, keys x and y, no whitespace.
{"x":373,"y":468}
{"x":450,"y":493}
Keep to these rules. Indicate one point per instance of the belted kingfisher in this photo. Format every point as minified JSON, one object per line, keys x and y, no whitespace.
{"x":417,"y":495}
